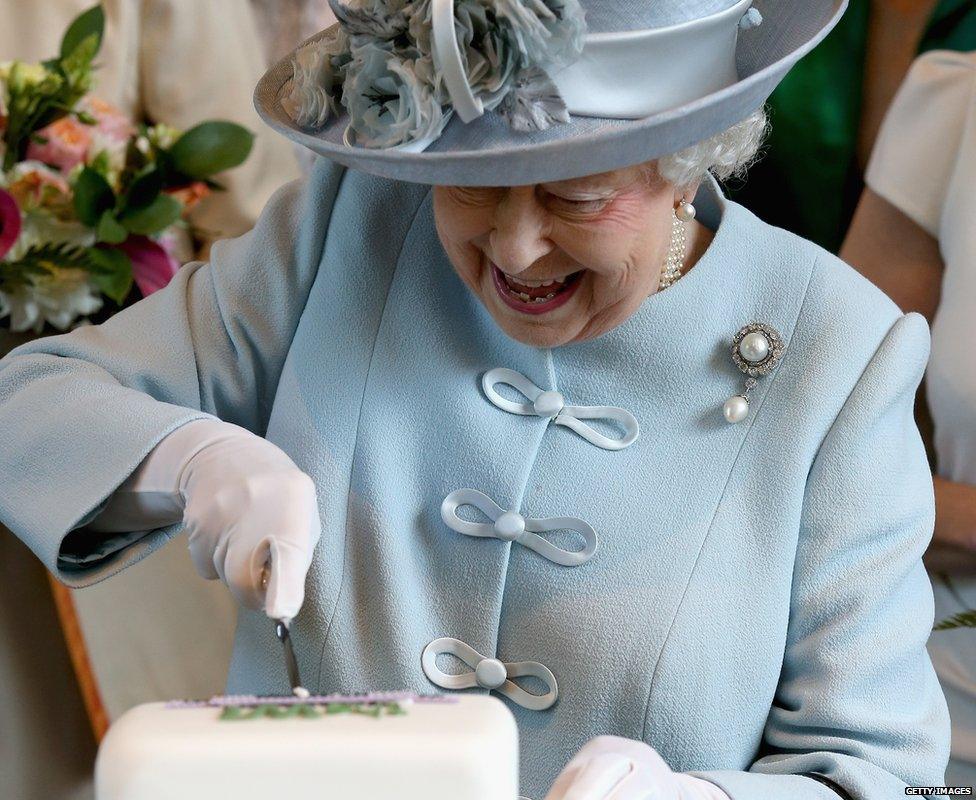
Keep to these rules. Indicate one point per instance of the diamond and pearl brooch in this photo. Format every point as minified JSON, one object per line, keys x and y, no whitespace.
{"x":755,"y":350}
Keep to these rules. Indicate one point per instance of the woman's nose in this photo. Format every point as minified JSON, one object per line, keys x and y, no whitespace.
{"x":520,"y":236}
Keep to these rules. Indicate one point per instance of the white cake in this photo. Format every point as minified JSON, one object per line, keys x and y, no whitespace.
{"x":459,"y":747}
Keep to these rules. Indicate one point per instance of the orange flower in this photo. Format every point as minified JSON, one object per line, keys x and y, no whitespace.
{"x":191,"y":194}
{"x":35,"y":185}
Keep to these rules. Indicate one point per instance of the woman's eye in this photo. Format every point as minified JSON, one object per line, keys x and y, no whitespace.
{"x":579,"y":206}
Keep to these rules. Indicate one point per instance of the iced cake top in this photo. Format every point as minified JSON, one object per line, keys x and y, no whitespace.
{"x":249,"y":706}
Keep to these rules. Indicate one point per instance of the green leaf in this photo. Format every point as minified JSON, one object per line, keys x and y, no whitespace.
{"x":109,"y":230}
{"x":76,"y":69}
{"x":101,"y":164}
{"x":30,"y":106}
{"x":967,"y":619}
{"x":93,"y":197}
{"x":211,"y":147}
{"x":111,"y":272}
{"x":88,"y":23}
{"x":159,"y":214}
{"x":144,"y":190}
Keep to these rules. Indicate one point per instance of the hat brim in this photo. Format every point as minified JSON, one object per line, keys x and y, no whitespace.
{"x":487,"y":152}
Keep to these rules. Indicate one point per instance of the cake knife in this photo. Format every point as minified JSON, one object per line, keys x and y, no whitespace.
{"x":284,"y":636}
{"x":291,"y":664}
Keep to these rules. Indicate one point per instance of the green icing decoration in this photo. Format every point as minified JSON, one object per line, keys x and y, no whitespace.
{"x":310,"y":711}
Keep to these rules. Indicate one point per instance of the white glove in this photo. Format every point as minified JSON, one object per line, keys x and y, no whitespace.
{"x":614,"y":768}
{"x":243,"y":500}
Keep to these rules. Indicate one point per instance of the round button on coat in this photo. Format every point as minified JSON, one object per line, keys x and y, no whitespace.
{"x":490,"y":673}
{"x":509,"y":526}
{"x":548,"y":404}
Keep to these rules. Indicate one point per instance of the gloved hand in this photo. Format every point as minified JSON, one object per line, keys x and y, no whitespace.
{"x":243,"y":501}
{"x":614,"y":768}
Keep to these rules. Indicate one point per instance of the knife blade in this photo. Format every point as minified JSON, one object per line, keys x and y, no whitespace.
{"x":291,"y":664}
{"x":284,"y":636}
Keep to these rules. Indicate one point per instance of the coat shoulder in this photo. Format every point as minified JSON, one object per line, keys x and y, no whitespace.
{"x":836,"y":321}
{"x":836,"y":294}
{"x":839,"y":306}
{"x":374,"y":200}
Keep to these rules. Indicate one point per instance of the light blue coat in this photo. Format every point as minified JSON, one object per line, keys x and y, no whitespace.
{"x":757,"y":608}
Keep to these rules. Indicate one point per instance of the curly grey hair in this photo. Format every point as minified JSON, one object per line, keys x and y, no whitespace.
{"x":729,"y":153}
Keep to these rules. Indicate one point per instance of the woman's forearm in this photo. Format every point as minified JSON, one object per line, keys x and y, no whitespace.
{"x":955,"y":514}
{"x":893,"y":252}
{"x":895,"y":29}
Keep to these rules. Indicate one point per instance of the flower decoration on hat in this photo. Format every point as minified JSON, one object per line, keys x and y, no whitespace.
{"x":386,"y":64}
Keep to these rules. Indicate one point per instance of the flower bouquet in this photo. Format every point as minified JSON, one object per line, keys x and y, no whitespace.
{"x":91,"y":203}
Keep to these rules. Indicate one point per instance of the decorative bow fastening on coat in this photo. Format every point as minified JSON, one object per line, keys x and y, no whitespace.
{"x":552,"y":405}
{"x":510,"y":526}
{"x":489,"y":673}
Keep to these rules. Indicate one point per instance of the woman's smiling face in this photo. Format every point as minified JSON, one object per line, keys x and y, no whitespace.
{"x":560,"y":262}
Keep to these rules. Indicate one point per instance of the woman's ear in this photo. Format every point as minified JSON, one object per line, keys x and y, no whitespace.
{"x":686,"y":192}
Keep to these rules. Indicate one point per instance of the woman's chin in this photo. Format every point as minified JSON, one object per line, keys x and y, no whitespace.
{"x":535,"y":335}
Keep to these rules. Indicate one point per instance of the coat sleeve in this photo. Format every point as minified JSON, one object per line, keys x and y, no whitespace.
{"x":858,"y":701}
{"x":79,"y":411}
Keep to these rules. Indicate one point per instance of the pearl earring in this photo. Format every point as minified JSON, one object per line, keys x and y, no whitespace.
{"x":755,"y":350}
{"x":685,"y":211}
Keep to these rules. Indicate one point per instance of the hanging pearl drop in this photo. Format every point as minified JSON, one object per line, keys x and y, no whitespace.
{"x":754,"y":347}
{"x":736,"y":408}
{"x":685,"y":211}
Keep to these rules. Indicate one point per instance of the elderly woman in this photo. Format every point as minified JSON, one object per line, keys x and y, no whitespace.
{"x":565,"y":426}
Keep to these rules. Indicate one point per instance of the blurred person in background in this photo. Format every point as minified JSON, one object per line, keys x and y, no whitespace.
{"x":913,"y":235}
{"x":285,"y":23}
{"x":826,"y":113}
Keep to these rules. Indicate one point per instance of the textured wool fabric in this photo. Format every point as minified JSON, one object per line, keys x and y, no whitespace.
{"x":757,"y":607}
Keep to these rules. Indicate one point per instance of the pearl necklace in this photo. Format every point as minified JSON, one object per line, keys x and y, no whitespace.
{"x":676,"y":254}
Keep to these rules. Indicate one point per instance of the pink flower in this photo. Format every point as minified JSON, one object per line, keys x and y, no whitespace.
{"x":109,"y":121}
{"x":152,"y":265}
{"x":66,"y":146}
{"x":10,"y":222}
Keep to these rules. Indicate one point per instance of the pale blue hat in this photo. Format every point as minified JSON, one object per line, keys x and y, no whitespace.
{"x":515,"y":92}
